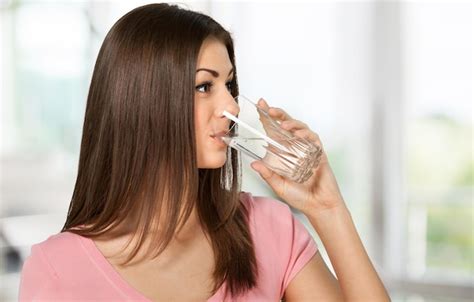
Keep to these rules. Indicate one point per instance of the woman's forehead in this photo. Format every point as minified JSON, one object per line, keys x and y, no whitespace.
{"x":213,"y":55}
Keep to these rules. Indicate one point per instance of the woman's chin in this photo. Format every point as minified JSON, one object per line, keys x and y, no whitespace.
{"x":213,"y":163}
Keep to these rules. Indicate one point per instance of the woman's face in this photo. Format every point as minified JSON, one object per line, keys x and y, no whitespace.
{"x":211,"y":97}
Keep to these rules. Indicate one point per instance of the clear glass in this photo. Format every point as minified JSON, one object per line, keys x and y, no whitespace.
{"x":260,"y":137}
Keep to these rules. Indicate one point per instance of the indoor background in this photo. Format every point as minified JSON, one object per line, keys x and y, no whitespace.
{"x":386,"y":84}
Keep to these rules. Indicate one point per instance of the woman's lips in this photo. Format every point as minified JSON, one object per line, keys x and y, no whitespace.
{"x":219,"y":134}
{"x":216,"y":137}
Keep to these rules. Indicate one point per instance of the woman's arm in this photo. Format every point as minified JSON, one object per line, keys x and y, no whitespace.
{"x":320,"y":199}
{"x":313,"y":283}
{"x":357,"y":278}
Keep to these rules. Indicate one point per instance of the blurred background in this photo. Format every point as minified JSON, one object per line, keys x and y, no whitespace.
{"x":388,"y":86}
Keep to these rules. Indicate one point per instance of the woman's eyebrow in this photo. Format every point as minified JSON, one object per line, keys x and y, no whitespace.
{"x":213,"y":72}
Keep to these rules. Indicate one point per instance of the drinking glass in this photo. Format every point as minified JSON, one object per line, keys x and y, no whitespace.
{"x":260,"y":137}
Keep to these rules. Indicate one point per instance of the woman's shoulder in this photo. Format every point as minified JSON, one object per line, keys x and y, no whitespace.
{"x":58,"y":243}
{"x":274,"y":227}
{"x":55,"y":253}
{"x":271,"y":221}
{"x":266,"y":208}
{"x":51,"y":263}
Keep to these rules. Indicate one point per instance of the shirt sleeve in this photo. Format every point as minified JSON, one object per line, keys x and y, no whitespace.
{"x":302,"y":248}
{"x":36,"y":276}
{"x":284,"y":245}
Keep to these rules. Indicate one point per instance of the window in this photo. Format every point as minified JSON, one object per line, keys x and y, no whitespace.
{"x":438,"y":139}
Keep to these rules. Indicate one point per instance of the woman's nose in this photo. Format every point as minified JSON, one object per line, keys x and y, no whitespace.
{"x":229,"y":104}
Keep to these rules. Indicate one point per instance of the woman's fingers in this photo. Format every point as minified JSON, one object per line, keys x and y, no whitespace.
{"x":279,"y":114}
{"x":263,"y":104}
{"x":274,"y":112}
{"x":293,"y":124}
{"x":299,"y":128}
{"x":308,"y":134}
{"x":276,"y":182}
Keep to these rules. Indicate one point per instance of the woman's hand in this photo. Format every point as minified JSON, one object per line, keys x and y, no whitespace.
{"x":320,"y":192}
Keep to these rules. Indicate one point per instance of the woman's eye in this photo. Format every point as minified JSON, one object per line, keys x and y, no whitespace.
{"x":204,"y":87}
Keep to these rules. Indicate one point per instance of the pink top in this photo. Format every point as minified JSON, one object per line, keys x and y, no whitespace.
{"x":67,"y":266}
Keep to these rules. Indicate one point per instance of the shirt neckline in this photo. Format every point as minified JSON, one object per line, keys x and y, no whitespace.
{"x":114,"y":277}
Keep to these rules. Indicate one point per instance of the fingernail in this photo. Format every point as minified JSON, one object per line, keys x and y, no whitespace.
{"x":253,"y":166}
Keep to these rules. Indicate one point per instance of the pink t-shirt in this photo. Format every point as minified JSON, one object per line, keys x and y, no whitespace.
{"x":69,"y":267}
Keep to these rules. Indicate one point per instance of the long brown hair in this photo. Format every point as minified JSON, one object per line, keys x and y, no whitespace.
{"x":138,"y":149}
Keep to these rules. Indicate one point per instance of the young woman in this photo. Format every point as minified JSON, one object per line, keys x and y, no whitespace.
{"x":157,"y":212}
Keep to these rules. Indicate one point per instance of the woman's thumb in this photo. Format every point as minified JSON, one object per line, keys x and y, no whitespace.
{"x":268,"y":175}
